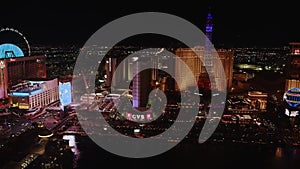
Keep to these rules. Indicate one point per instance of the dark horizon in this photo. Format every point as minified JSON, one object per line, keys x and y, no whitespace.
{"x":236,"y":24}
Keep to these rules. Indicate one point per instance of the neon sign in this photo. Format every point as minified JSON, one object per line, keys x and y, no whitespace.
{"x":138,"y":117}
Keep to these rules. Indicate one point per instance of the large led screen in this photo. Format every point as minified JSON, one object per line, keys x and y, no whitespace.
{"x":65,"y":93}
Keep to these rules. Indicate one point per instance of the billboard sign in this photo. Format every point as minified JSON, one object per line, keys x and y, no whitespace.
{"x":65,"y":97}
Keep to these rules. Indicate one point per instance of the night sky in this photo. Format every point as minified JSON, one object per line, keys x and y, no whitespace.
{"x":236,"y":23}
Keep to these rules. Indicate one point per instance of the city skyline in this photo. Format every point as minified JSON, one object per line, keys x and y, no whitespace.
{"x":149,"y":99}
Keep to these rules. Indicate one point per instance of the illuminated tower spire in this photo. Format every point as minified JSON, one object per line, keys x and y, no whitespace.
{"x":204,"y":81}
{"x":209,"y":26}
{"x":209,"y":31}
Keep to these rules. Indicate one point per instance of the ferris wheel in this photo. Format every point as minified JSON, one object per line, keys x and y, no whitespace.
{"x":19,"y":33}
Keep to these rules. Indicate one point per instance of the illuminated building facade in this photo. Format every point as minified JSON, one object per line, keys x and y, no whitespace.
{"x":126,"y":73}
{"x":258,"y":100}
{"x":15,"y":67}
{"x":140,"y":82}
{"x":110,"y":68}
{"x":35,"y":93}
{"x":141,"y":89}
{"x":190,"y":57}
{"x":167,"y":84}
{"x":293,"y":73}
{"x":26,"y":68}
{"x":226,"y":57}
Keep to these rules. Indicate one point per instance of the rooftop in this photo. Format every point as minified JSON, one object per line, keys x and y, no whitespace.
{"x":26,"y":88}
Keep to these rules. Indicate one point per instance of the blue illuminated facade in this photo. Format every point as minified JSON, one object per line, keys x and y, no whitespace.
{"x":8,"y":50}
{"x":65,"y":96}
{"x":26,"y":93}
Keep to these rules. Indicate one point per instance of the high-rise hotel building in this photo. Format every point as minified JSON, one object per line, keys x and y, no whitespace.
{"x":192,"y":58}
{"x":14,"y":67}
{"x":293,"y":72}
